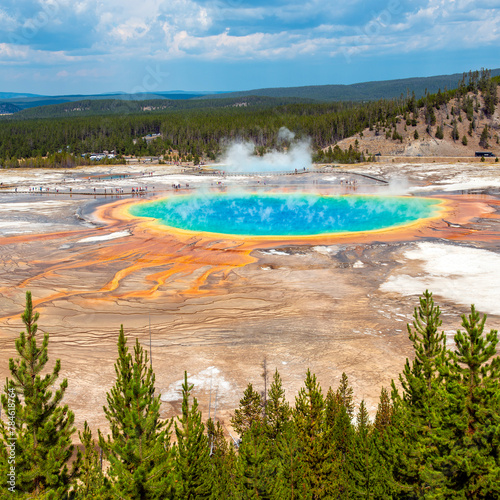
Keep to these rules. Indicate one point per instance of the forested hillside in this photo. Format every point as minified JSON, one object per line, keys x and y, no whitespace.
{"x":436,"y":432}
{"x":7,"y":108}
{"x":191,"y":132}
{"x":196,"y":130}
{"x":100,"y":107}
{"x":366,"y":91}
{"x":26,"y":101}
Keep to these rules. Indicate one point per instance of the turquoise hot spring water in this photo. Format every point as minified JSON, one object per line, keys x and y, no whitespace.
{"x":292,"y":214}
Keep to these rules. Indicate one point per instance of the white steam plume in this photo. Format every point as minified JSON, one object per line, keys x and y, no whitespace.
{"x":285,"y":135}
{"x":240,"y":157}
{"x":398,"y":186}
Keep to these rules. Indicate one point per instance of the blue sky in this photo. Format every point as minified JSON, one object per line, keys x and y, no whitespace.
{"x":95,"y":46}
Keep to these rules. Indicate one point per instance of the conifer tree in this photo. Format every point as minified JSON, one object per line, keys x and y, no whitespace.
{"x":39,"y":428}
{"x":91,"y":482}
{"x":257,"y":469}
{"x":339,"y":410}
{"x":474,"y":455}
{"x":192,"y":458}
{"x":345,"y":395}
{"x":138,"y":450}
{"x":277,"y":410}
{"x":332,"y":407}
{"x":419,"y":378}
{"x":363,"y":424}
{"x":343,"y":440}
{"x":317,"y":455}
{"x":425,"y":404}
{"x":391,"y":438}
{"x":222,"y":463}
{"x":249,"y":411}
{"x":289,"y":482}
{"x":471,"y":127}
{"x":385,"y":412}
{"x":369,"y":477}
{"x":483,"y":140}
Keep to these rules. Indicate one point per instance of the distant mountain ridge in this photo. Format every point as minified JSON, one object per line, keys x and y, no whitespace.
{"x":366,"y":91}
{"x":11,"y":102}
{"x":15,"y":95}
{"x":24,"y":101}
{"x":7,"y":108}
{"x":98,"y":107}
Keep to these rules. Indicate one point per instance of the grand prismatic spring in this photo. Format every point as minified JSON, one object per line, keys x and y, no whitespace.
{"x":222,"y":273}
{"x":299,"y":214}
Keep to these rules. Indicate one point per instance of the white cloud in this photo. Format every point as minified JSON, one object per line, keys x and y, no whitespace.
{"x":131,"y":29}
{"x":13,"y":52}
{"x":256,"y":45}
{"x":438,"y":24}
{"x":226,"y":30}
{"x":7,"y":22}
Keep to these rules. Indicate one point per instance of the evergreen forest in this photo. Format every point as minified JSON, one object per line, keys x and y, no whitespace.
{"x":435,"y":434}
{"x":191,"y":130}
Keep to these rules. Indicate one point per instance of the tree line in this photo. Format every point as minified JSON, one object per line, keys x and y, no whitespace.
{"x":436,"y":433}
{"x":193,"y":131}
{"x":201,"y":130}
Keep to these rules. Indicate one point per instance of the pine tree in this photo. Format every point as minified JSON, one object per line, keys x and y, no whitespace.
{"x":384,"y":415}
{"x":483,"y":140}
{"x":332,"y":408}
{"x":277,"y":410}
{"x":474,"y":455}
{"x":91,"y":482}
{"x":490,"y":98}
{"x":345,"y":395}
{"x":249,"y":411}
{"x":423,"y":396}
{"x":138,"y":450}
{"x":391,"y":439}
{"x":40,"y":431}
{"x":363,"y":424}
{"x":317,"y":455}
{"x":257,"y":469}
{"x":343,"y":439}
{"x":223,"y":460}
{"x":369,"y":478}
{"x":192,"y":460}
{"x":430,"y":353}
{"x":338,"y":413}
{"x":289,"y":482}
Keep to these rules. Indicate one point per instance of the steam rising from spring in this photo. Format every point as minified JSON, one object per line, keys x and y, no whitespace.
{"x":240,"y":156}
{"x":285,"y":135}
{"x":286,"y":214}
